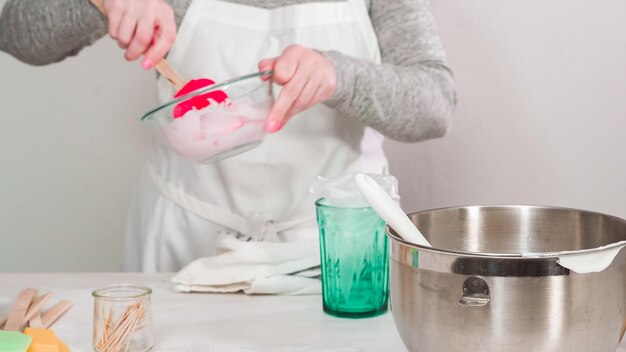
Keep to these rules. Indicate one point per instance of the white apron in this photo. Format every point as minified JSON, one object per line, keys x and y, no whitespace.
{"x":180,"y":206}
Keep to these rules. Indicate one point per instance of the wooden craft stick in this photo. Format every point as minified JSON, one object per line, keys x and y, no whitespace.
{"x":53,"y":314}
{"x":33,"y":315}
{"x":35,"y":321}
{"x":36,"y":305}
{"x":623,"y":330}
{"x":16,"y":316}
{"x":3,"y":321}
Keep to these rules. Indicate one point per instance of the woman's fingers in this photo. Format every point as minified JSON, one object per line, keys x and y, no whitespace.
{"x":286,"y":65}
{"x":163,"y":41}
{"x":163,"y":38}
{"x":143,"y":27}
{"x":287,"y":97}
{"x":127,"y":28}
{"x":267,"y":65}
{"x":305,"y":99}
{"x":307,"y":78}
{"x":114,"y":14}
{"x":141,"y":40}
{"x":165,"y":35}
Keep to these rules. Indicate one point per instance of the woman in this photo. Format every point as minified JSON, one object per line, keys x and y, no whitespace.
{"x":351,"y":70}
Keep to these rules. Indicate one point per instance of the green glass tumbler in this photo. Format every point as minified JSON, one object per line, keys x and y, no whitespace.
{"x":354,"y":260}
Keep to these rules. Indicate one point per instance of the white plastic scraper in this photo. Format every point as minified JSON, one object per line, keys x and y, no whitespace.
{"x":389,"y":210}
{"x":584,"y":261}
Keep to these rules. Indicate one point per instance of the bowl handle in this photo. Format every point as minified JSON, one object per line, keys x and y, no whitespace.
{"x":475,"y":292}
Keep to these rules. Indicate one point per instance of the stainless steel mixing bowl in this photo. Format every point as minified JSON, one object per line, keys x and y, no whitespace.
{"x":473,"y":291}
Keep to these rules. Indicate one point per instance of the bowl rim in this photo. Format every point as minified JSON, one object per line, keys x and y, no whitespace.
{"x":141,"y":291}
{"x":210,"y":88}
{"x":394,"y":237}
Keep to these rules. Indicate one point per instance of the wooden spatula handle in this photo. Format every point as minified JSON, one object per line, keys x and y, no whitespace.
{"x":99,"y":4}
{"x":623,"y":330}
{"x":163,"y":67}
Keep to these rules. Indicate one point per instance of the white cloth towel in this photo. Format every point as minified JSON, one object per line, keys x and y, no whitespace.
{"x":288,"y":268}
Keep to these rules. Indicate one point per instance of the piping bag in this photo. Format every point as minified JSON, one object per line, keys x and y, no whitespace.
{"x":581,"y":261}
{"x":199,"y":101}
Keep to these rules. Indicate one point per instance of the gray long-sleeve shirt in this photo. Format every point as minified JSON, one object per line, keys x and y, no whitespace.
{"x":409,"y":97}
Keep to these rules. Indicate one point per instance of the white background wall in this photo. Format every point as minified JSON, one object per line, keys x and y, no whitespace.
{"x":541,"y":119}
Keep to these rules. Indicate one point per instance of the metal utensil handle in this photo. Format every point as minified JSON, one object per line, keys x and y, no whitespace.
{"x":163,"y":67}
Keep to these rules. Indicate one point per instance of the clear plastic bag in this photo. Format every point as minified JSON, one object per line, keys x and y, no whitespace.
{"x":343,"y":192}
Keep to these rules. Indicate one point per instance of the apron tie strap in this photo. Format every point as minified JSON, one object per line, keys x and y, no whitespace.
{"x":257,"y":226}
{"x":261,"y":228}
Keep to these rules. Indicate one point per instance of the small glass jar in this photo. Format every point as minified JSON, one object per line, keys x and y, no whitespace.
{"x":122,"y":319}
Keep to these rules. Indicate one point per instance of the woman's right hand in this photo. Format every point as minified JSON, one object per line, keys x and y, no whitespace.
{"x":142,"y":27}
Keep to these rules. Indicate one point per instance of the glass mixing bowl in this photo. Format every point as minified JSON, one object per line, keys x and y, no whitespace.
{"x":221,"y":129}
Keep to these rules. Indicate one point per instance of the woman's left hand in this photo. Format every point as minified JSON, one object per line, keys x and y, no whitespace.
{"x":307,"y":77}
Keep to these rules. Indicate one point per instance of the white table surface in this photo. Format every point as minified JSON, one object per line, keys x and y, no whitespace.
{"x":211,"y":322}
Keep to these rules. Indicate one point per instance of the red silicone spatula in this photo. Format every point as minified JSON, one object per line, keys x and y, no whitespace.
{"x":199,"y":101}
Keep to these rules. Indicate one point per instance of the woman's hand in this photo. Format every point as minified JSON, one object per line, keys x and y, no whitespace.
{"x":142,"y":27}
{"x":307,"y":78}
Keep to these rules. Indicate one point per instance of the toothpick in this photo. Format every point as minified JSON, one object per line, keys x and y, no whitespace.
{"x":117,"y":335}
